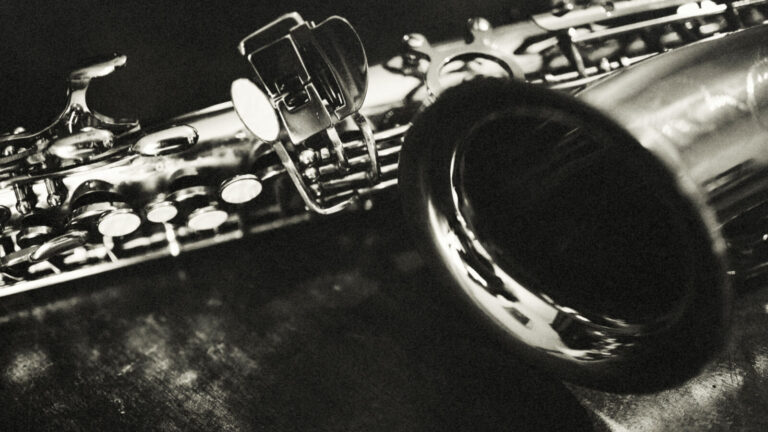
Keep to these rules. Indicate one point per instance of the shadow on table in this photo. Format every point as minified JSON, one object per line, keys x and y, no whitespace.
{"x":318,"y":328}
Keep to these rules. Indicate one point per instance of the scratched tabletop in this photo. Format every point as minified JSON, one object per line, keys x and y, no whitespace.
{"x":336,"y":325}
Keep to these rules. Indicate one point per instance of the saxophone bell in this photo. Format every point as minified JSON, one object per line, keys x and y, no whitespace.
{"x":601,"y":234}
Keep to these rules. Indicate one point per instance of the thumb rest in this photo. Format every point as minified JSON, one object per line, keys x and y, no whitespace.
{"x":306,"y":136}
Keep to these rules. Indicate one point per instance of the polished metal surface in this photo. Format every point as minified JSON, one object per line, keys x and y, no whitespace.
{"x":255,"y":110}
{"x":717,"y":142}
{"x":607,"y":246}
{"x":118,"y":222}
{"x":480,"y":45}
{"x":88,"y":142}
{"x":240,"y":189}
{"x":58,"y":245}
{"x":161,"y":211}
{"x":322,"y":76}
{"x":586,"y":255}
{"x":165,"y":141}
{"x":206,"y":218}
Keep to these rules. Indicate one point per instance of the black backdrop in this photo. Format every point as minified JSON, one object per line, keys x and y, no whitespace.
{"x":181,"y":55}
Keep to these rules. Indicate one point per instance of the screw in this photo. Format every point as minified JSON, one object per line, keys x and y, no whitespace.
{"x":311,"y":174}
{"x":25,"y":201}
{"x":307,"y":157}
{"x":57,"y":193}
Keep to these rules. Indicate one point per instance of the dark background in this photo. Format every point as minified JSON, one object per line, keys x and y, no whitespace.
{"x":182,"y":55}
{"x":336,"y":325}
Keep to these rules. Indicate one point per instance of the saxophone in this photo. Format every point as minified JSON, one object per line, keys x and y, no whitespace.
{"x":590,"y":180}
